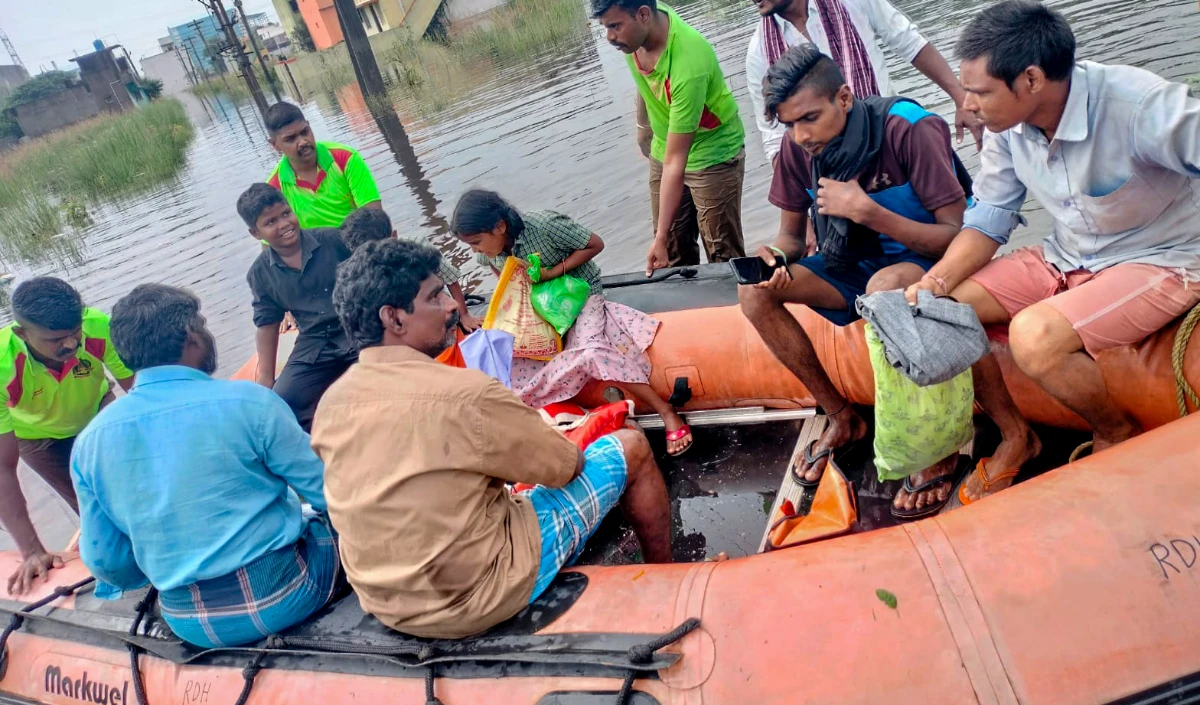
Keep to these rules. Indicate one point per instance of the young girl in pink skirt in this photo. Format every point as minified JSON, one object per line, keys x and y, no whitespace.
{"x":608,"y":341}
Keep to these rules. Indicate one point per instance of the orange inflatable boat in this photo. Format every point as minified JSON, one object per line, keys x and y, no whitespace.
{"x":1078,"y":587}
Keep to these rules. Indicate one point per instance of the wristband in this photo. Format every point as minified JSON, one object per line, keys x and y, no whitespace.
{"x":940,"y":282}
{"x":778,"y":251}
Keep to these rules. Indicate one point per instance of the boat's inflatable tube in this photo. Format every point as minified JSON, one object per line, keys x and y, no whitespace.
{"x":1080,"y":587}
{"x":727,"y":365}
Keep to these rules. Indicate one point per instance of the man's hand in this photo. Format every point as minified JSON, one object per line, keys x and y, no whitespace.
{"x":644,"y":138}
{"x":966,"y":120}
{"x":36,"y":565}
{"x":289,"y":323}
{"x":927,"y":283}
{"x":844,"y":199}
{"x":780,"y":279}
{"x":468,"y":322}
{"x":657,"y":257}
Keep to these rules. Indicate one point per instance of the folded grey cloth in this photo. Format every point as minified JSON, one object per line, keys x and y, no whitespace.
{"x":931,"y":342}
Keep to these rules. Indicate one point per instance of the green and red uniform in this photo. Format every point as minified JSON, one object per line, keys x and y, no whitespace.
{"x":344,"y":184}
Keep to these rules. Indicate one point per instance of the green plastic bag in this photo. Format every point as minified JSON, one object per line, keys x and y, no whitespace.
{"x":558,"y":301}
{"x":916,"y":427}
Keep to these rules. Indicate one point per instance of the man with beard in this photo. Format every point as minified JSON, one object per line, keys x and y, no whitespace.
{"x":186,"y":483}
{"x":417,"y":455}
{"x":324,"y":182}
{"x":886,"y":194}
{"x":849,"y":31}
{"x":295,"y":274}
{"x":52,"y":383}
{"x":697,"y":154}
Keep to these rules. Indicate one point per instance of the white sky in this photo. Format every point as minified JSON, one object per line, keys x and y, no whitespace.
{"x":53,"y":30}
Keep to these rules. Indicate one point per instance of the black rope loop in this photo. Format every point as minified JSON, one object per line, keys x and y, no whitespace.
{"x":644,"y":654}
{"x":430,"y":697}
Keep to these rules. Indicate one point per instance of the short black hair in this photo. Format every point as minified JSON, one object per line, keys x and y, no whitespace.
{"x":48,"y":303}
{"x":366,"y":225}
{"x":378,"y":274}
{"x":150,"y":325}
{"x":599,"y":7}
{"x":281,"y":115}
{"x":802,"y":66}
{"x":478,"y":211}
{"x":255,"y":200}
{"x":1017,"y":34}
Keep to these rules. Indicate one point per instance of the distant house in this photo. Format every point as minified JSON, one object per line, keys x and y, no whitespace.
{"x":61,"y":100}
{"x":11,"y":77}
{"x":110,"y":76}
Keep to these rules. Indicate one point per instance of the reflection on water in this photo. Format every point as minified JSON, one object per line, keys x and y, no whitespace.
{"x":554,"y":133}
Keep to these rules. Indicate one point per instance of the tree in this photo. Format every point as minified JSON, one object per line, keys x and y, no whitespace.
{"x":41,"y":86}
{"x":152,"y":87}
{"x":302,"y":39}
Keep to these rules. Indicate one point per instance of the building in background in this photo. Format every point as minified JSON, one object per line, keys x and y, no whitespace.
{"x":12,"y":76}
{"x":320,"y":17}
{"x":274,"y":40}
{"x":289,"y":15}
{"x":195,"y":39}
{"x":110,"y":76}
{"x":168,"y":67}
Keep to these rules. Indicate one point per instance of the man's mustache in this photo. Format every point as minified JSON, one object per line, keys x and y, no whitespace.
{"x":453,"y":322}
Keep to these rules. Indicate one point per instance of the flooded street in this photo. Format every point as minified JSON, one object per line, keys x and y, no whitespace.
{"x":556,"y":133}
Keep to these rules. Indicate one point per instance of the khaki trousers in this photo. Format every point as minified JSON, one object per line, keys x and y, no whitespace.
{"x":709,"y":212}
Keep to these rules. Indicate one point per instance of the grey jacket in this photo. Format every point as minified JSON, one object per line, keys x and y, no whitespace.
{"x":931,"y":342}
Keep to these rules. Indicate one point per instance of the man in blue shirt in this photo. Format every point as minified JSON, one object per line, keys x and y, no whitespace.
{"x":186,"y":484}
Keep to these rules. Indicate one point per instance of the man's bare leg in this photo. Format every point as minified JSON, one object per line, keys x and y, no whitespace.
{"x":790,"y":344}
{"x":645,"y":500}
{"x":1018,"y":445}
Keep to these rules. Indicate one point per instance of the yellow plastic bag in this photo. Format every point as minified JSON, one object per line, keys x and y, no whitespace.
{"x":511,"y":311}
{"x":915,"y":427}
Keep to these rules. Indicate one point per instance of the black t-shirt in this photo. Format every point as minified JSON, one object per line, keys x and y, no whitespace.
{"x":307,"y":293}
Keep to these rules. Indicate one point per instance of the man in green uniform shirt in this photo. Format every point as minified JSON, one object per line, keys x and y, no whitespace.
{"x":697,"y":155}
{"x":52,"y":383}
{"x":323,"y":182}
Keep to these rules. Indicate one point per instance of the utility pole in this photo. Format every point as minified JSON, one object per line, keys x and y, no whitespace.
{"x":194,"y":58}
{"x":218,"y":10}
{"x":8,"y":46}
{"x":366,"y":69}
{"x":186,"y":71}
{"x":252,"y":37}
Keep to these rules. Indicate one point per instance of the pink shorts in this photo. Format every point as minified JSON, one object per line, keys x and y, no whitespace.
{"x":1121,"y":305}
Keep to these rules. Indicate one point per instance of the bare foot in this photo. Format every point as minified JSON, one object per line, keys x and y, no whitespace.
{"x":908,"y":502}
{"x":844,"y":427}
{"x":673,"y":422}
{"x":1010,"y":455}
{"x":1107,"y":441}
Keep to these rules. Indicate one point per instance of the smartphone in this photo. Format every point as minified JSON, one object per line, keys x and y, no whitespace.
{"x":751,"y":270}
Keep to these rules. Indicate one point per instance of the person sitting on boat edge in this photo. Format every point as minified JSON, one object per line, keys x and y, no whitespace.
{"x":889,"y":197}
{"x":1113,"y":155}
{"x":52,"y":363}
{"x":417,"y":455}
{"x":323,"y":182}
{"x":295,"y":274}
{"x":608,"y":341}
{"x":185,"y":483}
{"x":373,"y":224}
{"x":697,"y":151}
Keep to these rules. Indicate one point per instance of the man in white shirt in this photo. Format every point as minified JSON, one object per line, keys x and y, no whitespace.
{"x":1113,"y":155}
{"x":873,"y":22}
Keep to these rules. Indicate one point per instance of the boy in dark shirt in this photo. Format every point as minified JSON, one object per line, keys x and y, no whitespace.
{"x":295,"y":274}
{"x":889,"y":199}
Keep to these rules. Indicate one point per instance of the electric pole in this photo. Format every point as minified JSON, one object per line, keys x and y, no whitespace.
{"x":8,"y":46}
{"x":366,"y":69}
{"x":252,"y":37}
{"x":232,"y":44}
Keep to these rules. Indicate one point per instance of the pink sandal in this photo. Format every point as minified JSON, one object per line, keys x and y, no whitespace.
{"x":679,"y":434}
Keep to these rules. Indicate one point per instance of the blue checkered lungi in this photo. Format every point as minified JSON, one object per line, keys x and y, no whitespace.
{"x":568,"y":516}
{"x":275,"y":592}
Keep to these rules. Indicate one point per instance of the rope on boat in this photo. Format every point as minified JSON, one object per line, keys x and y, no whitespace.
{"x":430,"y":697}
{"x":1183,"y":388}
{"x":18,"y":618}
{"x":644,"y":653}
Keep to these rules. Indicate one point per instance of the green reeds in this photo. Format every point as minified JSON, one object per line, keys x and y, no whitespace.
{"x":522,"y":30}
{"x":46,"y":185}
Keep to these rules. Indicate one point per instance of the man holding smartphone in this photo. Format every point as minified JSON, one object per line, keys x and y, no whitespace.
{"x":876,"y":183}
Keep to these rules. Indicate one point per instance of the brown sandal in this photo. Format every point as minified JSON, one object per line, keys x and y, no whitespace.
{"x":988,"y":482}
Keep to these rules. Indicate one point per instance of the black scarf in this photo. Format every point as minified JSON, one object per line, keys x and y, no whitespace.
{"x":842,"y":242}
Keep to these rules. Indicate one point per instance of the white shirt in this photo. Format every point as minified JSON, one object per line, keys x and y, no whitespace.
{"x":876,"y":21}
{"x":1121,"y":177}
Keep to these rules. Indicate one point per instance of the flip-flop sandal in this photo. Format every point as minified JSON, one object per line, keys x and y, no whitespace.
{"x":988,"y":482}
{"x":684,"y":431}
{"x":952,"y":477}
{"x":809,"y":461}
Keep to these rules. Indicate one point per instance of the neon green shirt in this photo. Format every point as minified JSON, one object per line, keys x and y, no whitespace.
{"x":36,"y":402}
{"x":344,"y":184}
{"x":686,"y":92}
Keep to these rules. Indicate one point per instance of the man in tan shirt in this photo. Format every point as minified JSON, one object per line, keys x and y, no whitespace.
{"x":417,"y":455}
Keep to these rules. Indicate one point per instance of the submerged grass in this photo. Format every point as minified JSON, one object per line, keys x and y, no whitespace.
{"x":522,"y":30}
{"x":47,"y":185}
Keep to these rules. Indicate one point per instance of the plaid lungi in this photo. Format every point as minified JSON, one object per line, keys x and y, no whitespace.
{"x":275,"y":592}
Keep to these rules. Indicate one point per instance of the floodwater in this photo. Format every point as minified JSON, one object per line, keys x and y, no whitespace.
{"x":555,"y":133}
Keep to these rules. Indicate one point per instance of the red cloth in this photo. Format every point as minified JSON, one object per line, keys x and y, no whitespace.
{"x":588,"y":427}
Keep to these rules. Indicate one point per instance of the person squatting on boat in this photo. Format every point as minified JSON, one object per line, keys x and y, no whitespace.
{"x":884,"y":191}
{"x":608,"y":341}
{"x":52,"y":363}
{"x":697,"y":150}
{"x":417,"y":455}
{"x":186,"y":483}
{"x":1113,"y":155}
